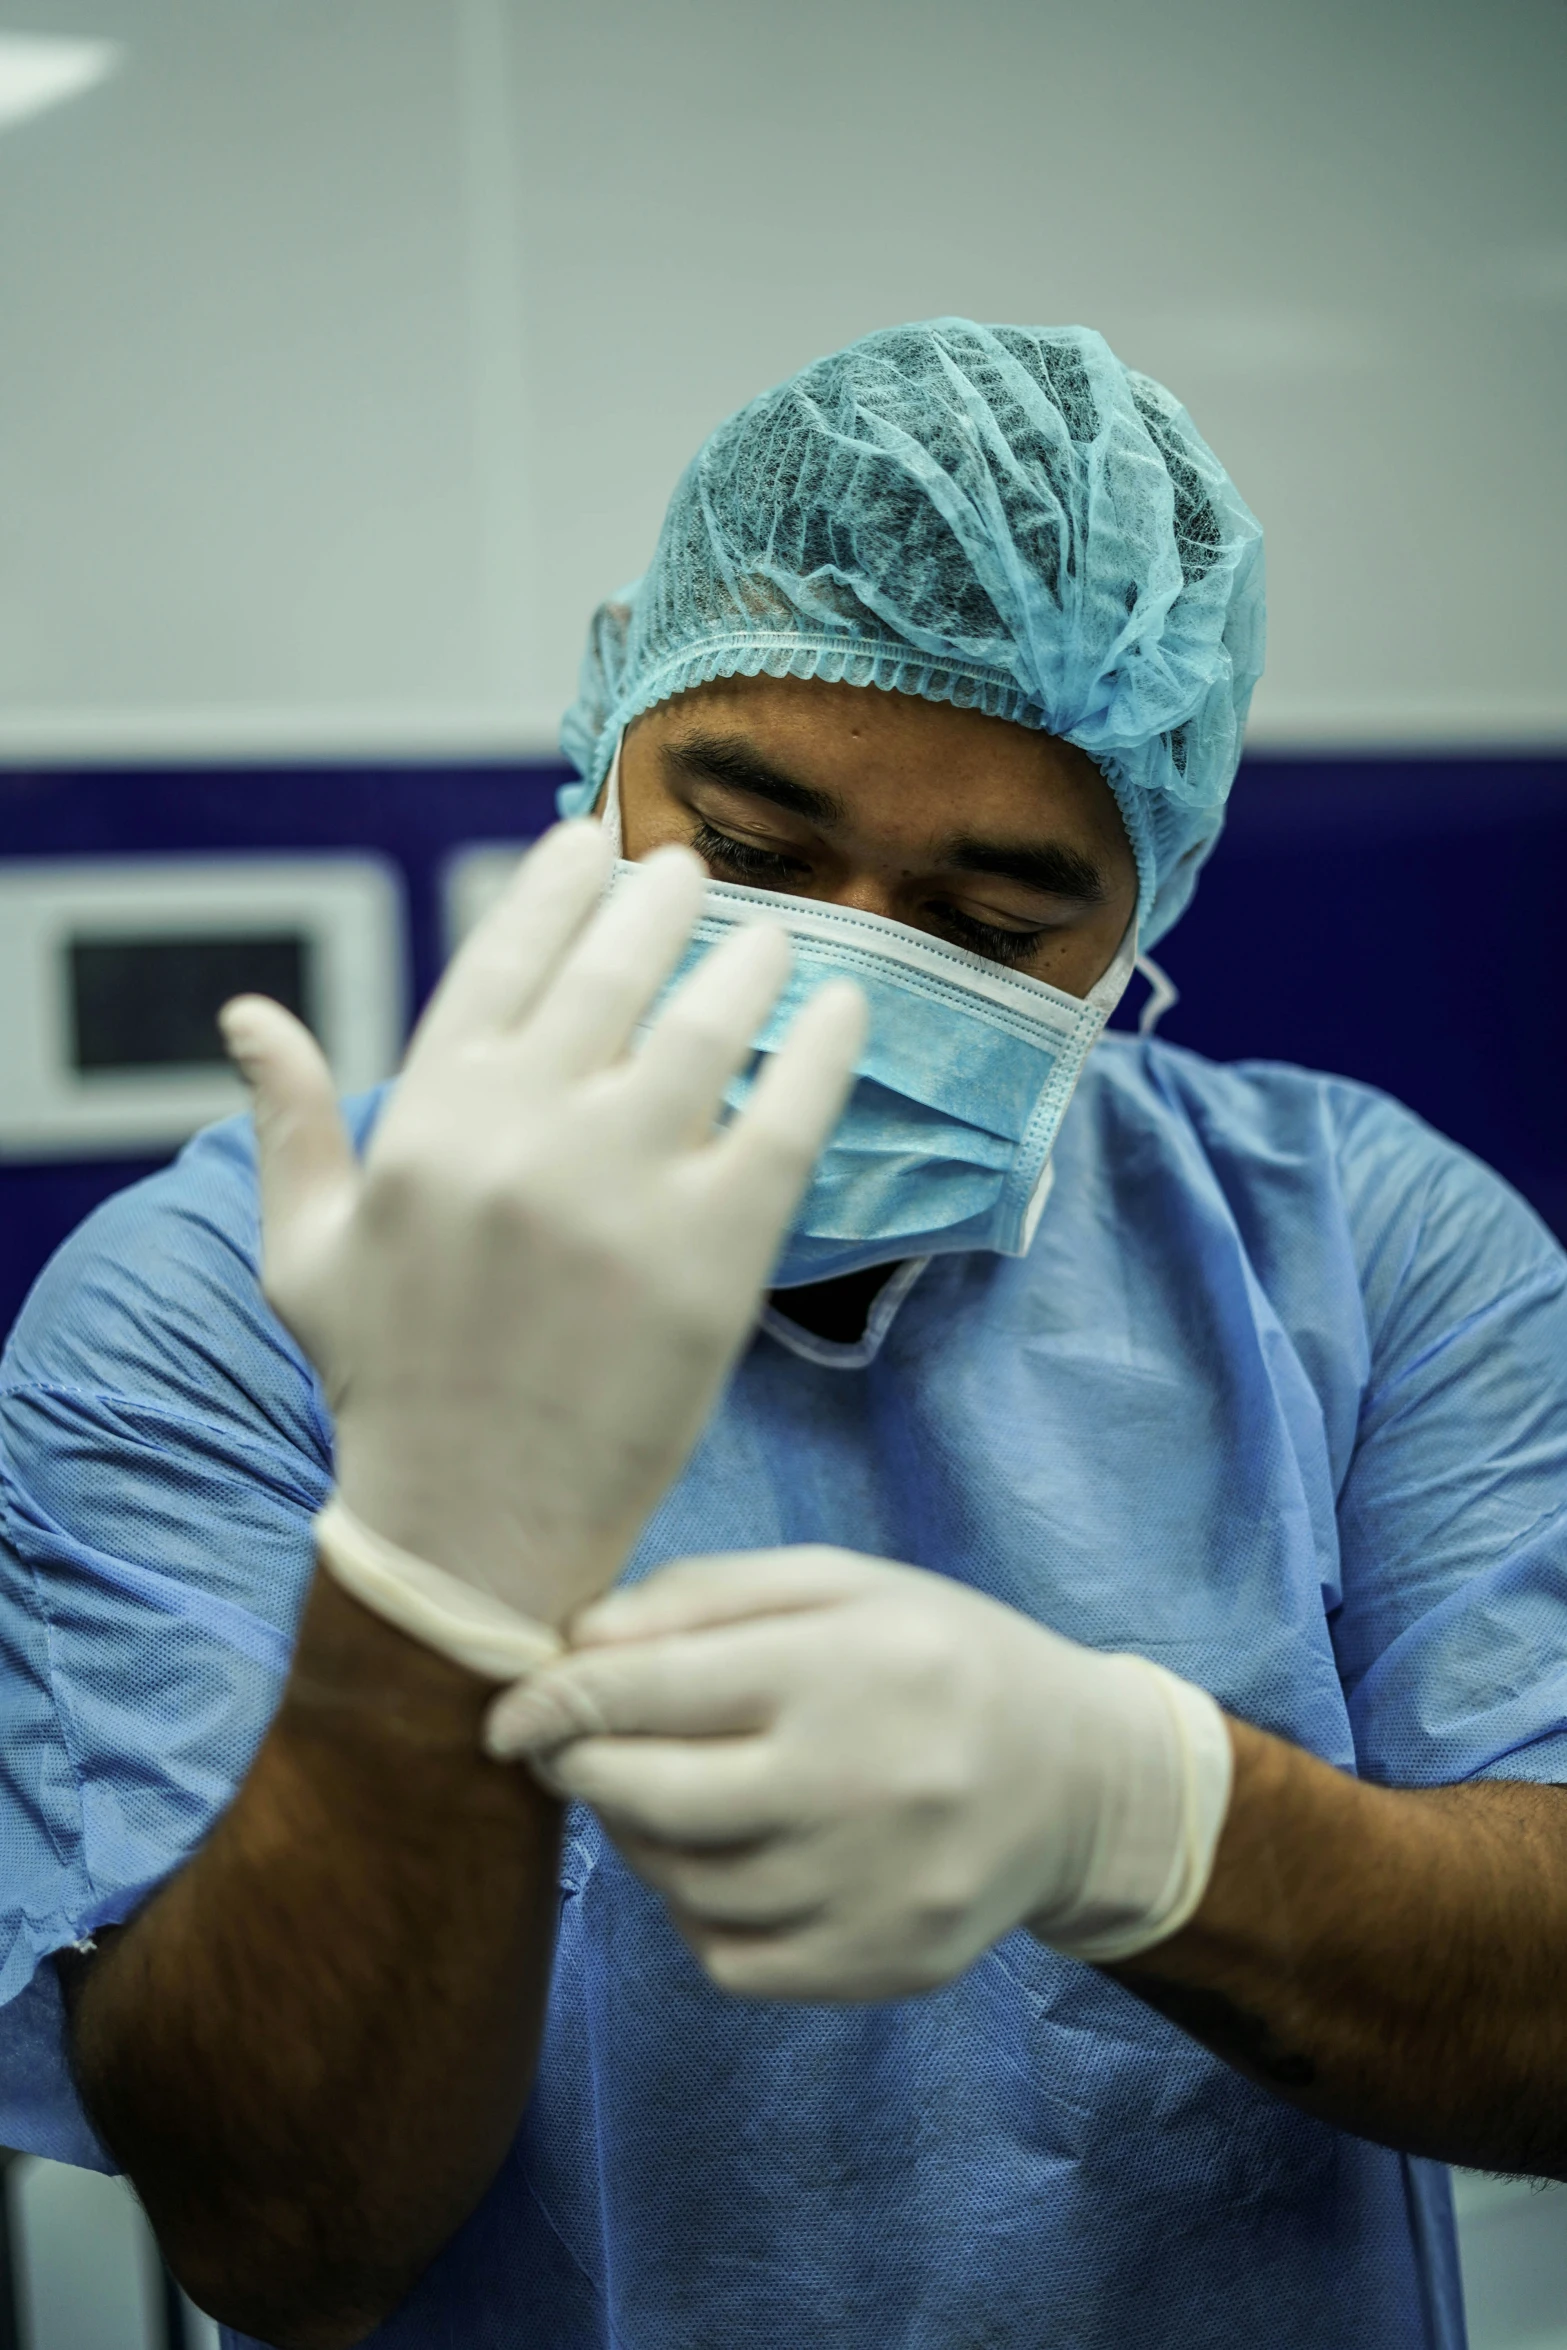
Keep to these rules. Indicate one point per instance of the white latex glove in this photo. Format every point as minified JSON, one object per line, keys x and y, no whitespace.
{"x":524,"y":1301}
{"x":849,"y":1778}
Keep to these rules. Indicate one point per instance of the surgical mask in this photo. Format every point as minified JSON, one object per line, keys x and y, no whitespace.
{"x":964,"y":1079}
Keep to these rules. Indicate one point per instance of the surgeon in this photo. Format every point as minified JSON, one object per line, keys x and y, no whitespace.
{"x":903,"y":1691}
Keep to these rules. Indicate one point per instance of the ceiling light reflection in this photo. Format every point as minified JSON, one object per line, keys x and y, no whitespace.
{"x":38,"y":71}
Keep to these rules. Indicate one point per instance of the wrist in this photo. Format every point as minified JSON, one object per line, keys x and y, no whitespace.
{"x":542,"y":1572}
{"x":1160,"y":1775}
{"x":359,"y":1685}
{"x":470,"y":1626}
{"x":392,"y":1489}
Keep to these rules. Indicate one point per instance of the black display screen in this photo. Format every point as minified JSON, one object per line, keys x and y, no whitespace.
{"x":152,"y":1003}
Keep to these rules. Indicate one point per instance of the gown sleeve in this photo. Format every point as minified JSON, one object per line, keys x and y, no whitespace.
{"x":1452,"y":1632}
{"x":163,"y":1448}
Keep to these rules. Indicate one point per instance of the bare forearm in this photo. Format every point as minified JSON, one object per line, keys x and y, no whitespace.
{"x":311,"y":2050}
{"x":1392,"y":1961}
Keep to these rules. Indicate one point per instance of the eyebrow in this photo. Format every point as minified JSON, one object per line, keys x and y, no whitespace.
{"x":1052,"y":869}
{"x":710,"y":758}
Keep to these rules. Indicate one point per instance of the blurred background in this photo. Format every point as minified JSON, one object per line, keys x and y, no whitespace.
{"x":348,"y":352}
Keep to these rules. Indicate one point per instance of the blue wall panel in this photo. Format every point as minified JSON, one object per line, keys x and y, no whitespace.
{"x":1398,"y":920}
{"x":1401,"y":921}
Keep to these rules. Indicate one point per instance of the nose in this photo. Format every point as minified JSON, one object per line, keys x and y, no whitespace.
{"x":864,"y":892}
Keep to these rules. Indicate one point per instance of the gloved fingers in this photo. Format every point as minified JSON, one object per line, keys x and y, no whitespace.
{"x":766,"y":1884}
{"x":804,"y":1961}
{"x":505,"y":966}
{"x":704,"y":1034}
{"x":674,"y":1791}
{"x":615,"y":970}
{"x":726,"y":1587}
{"x":707,"y":1685}
{"x":305,"y":1160}
{"x":762,"y":1161}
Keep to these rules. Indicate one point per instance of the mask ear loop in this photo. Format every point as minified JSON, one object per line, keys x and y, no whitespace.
{"x":610,"y":813}
{"x":1162,"y":993}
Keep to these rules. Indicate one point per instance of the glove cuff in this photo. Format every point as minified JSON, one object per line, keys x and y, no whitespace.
{"x":472,"y":1627}
{"x":1179,"y":1774}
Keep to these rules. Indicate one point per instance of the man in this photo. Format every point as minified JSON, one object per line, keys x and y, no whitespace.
{"x":920,"y":1964}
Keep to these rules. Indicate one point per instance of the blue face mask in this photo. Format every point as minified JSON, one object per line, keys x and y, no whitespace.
{"x":962,"y":1085}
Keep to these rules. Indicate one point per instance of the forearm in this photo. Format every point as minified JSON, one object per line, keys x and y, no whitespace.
{"x":1392,"y":1961}
{"x":310,"y":2051}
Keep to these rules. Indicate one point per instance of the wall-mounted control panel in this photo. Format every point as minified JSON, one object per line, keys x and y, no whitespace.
{"x":112,"y":972}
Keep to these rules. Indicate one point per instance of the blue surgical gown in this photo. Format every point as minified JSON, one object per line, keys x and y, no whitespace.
{"x":1279,"y":1397}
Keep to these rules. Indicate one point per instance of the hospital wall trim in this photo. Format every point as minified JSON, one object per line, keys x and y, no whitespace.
{"x":1395,"y":919}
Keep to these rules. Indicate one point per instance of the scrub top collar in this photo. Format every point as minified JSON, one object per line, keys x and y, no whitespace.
{"x":836,"y":1354}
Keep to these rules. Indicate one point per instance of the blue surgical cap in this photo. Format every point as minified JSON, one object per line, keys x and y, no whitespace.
{"x":1004,"y":518}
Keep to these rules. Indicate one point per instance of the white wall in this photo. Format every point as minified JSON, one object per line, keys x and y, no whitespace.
{"x":348,"y":348}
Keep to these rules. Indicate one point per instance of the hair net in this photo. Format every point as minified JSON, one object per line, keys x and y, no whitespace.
{"x":1005,"y":518}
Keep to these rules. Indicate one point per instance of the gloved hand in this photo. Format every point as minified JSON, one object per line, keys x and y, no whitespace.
{"x":849,"y":1778}
{"x":522,"y":1305}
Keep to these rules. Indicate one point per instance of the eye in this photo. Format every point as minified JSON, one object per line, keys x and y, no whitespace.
{"x":986,"y":938}
{"x":743,"y":860}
